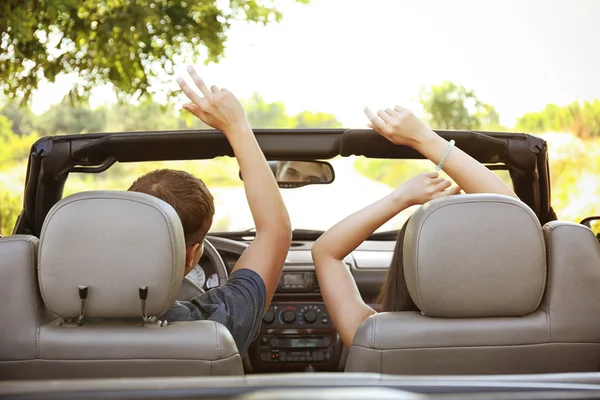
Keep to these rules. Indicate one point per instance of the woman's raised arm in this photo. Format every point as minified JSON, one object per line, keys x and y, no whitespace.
{"x":402,"y":127}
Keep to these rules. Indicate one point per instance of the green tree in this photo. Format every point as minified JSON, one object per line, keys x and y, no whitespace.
{"x":13,"y":148}
{"x":22,"y":120}
{"x":127,"y":43}
{"x":450,"y":106}
{"x":263,"y":115}
{"x":63,"y":118}
{"x":583,"y":120}
{"x":307,"y":119}
{"x":146,"y":116}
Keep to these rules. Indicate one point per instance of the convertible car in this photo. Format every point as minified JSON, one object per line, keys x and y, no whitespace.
{"x":509,"y":295}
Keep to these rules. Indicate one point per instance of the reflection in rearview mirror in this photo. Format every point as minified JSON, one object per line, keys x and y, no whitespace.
{"x":310,"y":172}
{"x":293,"y":174}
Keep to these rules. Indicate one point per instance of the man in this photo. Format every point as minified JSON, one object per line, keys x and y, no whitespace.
{"x":303,"y":172}
{"x":240,"y":303}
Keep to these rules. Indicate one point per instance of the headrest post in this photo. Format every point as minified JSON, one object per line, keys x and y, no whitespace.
{"x":83,"y":293}
{"x":143,"y":293}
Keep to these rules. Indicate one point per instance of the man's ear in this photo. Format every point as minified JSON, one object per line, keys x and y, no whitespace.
{"x":192,"y":256}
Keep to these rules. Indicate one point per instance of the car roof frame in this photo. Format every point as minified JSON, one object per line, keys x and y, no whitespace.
{"x":53,"y":158}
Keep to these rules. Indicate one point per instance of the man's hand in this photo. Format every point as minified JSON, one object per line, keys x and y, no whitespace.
{"x":216,"y":107}
{"x":266,"y":254}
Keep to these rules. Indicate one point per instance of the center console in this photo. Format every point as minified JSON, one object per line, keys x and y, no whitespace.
{"x":296,"y":336}
{"x":281,"y":342}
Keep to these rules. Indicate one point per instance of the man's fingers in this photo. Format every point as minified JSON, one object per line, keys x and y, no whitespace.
{"x":194,"y":109}
{"x":189,"y":92}
{"x":198,"y":81}
{"x":432,"y":174}
{"x":438,"y":180}
{"x":191,"y":107}
{"x":385,"y":116}
{"x":376,"y":123}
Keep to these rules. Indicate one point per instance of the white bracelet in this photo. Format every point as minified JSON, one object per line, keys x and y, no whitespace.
{"x":441,"y":164}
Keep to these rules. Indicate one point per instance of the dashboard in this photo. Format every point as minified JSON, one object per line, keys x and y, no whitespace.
{"x":296,"y":333}
{"x":204,"y":275}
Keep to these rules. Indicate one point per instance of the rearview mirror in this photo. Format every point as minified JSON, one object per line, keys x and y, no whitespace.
{"x":594,"y":224}
{"x":293,"y":174}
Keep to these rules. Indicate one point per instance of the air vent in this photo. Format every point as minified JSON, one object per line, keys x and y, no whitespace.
{"x":315,"y":284}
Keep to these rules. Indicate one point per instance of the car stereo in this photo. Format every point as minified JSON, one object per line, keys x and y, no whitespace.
{"x":295,"y":282}
{"x":295,"y":349}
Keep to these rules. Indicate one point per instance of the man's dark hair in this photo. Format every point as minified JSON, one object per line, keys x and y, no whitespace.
{"x":187,"y":194}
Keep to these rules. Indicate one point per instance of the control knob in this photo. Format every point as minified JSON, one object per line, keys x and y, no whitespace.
{"x":310,"y":316}
{"x":268,"y":317}
{"x":289,"y":317}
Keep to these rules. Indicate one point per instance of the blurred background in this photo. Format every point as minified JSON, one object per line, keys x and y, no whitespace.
{"x":531,"y":66}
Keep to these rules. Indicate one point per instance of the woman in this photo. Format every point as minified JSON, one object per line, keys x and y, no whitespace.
{"x":340,"y":293}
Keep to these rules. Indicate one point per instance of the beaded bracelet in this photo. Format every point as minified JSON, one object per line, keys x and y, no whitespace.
{"x":441,"y":164}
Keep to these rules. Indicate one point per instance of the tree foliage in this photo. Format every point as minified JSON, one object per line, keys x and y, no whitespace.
{"x":128,"y":43}
{"x":451,"y":106}
{"x":583,"y":120}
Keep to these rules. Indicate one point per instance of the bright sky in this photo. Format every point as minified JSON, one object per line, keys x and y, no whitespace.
{"x":339,"y":55}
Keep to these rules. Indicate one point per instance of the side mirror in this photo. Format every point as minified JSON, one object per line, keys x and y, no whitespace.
{"x":594,"y":224}
{"x":294,"y":174}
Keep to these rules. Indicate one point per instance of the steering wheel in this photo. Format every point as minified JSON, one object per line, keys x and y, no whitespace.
{"x":189,"y":289}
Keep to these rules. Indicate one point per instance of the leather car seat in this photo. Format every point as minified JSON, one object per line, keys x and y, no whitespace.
{"x":97,"y":252}
{"x":498,"y":294}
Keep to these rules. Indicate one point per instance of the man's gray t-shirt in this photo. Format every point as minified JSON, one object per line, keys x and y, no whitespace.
{"x":239,"y":305}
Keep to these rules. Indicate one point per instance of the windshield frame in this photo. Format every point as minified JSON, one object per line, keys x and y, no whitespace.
{"x":53,"y":158}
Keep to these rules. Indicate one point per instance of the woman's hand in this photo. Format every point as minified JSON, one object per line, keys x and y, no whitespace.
{"x":399,"y":125}
{"x":423,"y":188}
{"x":216,"y":107}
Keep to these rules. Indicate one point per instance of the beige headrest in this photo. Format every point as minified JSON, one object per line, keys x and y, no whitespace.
{"x":478,"y":255}
{"x":113,"y":242}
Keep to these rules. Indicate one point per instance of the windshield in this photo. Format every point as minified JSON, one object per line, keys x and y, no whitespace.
{"x":358,"y":182}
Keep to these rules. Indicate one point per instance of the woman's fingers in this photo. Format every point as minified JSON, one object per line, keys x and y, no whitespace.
{"x":437,"y":181}
{"x":391,"y":112}
{"x":432,"y":174}
{"x":376,"y":122}
{"x":385,"y":116}
{"x":198,"y":81}
{"x":215,"y":89}
{"x":445,"y":184}
{"x":448,"y":192}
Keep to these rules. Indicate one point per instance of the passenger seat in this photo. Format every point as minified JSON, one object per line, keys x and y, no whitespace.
{"x":497,"y":294}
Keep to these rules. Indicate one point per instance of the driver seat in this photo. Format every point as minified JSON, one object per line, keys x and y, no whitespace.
{"x":103,"y":246}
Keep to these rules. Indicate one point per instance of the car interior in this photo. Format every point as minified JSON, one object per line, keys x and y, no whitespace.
{"x":504,"y":288}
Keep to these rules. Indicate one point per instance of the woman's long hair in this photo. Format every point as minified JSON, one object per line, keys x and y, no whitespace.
{"x":394,"y":295}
